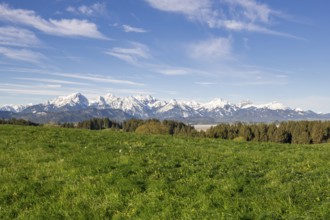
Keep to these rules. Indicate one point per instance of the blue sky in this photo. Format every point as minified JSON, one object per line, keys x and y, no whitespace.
{"x":237,"y":50}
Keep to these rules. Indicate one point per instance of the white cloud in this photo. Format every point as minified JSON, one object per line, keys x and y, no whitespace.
{"x":234,"y":15}
{"x":130,"y":55}
{"x":251,"y":10}
{"x":95,"y":78}
{"x":92,"y":10}
{"x":52,"y":81}
{"x":128,"y":28}
{"x":34,"y":91}
{"x":63,"y":27}
{"x":12,"y":36}
{"x":173,"y":72}
{"x":88,"y":77}
{"x":200,"y":10}
{"x":205,"y":83}
{"x":22,"y":55}
{"x":212,"y":49}
{"x":187,"y":7}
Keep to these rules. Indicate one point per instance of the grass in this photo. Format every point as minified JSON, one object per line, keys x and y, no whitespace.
{"x":54,"y":173}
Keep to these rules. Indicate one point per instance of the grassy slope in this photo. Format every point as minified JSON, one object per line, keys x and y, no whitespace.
{"x":56,"y":173}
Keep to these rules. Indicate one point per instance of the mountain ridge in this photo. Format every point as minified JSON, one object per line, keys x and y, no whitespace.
{"x":146,"y":106}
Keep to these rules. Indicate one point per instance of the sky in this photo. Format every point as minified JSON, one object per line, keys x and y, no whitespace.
{"x":237,"y":50}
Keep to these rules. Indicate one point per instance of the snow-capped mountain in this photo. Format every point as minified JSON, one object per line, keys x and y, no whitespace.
{"x":146,"y":106}
{"x":271,"y":106}
{"x":73,"y":100}
{"x":14,"y":108}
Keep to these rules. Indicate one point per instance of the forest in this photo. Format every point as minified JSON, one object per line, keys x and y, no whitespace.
{"x":290,"y":132}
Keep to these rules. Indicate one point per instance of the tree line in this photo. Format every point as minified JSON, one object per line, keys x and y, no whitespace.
{"x":14,"y":121}
{"x":150,"y":126}
{"x":292,"y":132}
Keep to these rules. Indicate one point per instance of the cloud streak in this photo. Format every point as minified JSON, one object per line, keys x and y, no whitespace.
{"x":92,"y":10}
{"x":63,"y":27}
{"x":173,"y":72}
{"x":80,"y":76}
{"x":132,"y":54}
{"x":128,"y":28}
{"x":96,"y":78}
{"x":212,"y":49}
{"x":52,"y":81}
{"x":22,"y":55}
{"x":13,"y":36}
{"x":241,"y":15}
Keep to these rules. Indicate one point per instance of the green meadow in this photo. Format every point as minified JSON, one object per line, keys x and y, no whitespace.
{"x":58,"y":173}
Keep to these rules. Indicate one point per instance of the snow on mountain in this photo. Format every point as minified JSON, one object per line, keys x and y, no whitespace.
{"x":145,"y":99}
{"x":113,"y":101}
{"x":246,"y":104}
{"x":215,"y":103}
{"x":14,"y":108}
{"x":169,"y":106}
{"x":134,"y":105}
{"x":157,"y":104}
{"x":72,"y":100}
{"x":146,"y":106}
{"x":273,"y":106}
{"x":142,"y":105}
{"x":99,"y":103}
{"x":177,"y":109}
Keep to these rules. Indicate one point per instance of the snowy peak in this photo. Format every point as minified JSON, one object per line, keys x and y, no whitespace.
{"x":215,"y":104}
{"x":245,"y":104}
{"x":274,"y":106}
{"x":110,"y":97}
{"x":99,"y":102}
{"x":72,"y":100}
{"x":146,"y":106}
{"x":271,"y":106}
{"x":14,"y":108}
{"x":145,"y":98}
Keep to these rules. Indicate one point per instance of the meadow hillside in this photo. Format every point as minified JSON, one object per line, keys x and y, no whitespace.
{"x":61,"y":173}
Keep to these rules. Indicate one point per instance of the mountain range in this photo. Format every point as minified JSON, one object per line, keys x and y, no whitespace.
{"x":76,"y":107}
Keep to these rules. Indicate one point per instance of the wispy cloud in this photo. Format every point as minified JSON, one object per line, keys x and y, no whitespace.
{"x":80,"y":76}
{"x":205,"y":83}
{"x":174,"y":72}
{"x":22,"y":55}
{"x":237,"y":15}
{"x":13,"y":36}
{"x":91,"y":10}
{"x":95,"y":78}
{"x":212,"y":49}
{"x":251,"y":11}
{"x":62,"y":27}
{"x":52,"y":81}
{"x":33,"y":89}
{"x":131,"y":54}
{"x":128,"y":28}
{"x":194,"y":9}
